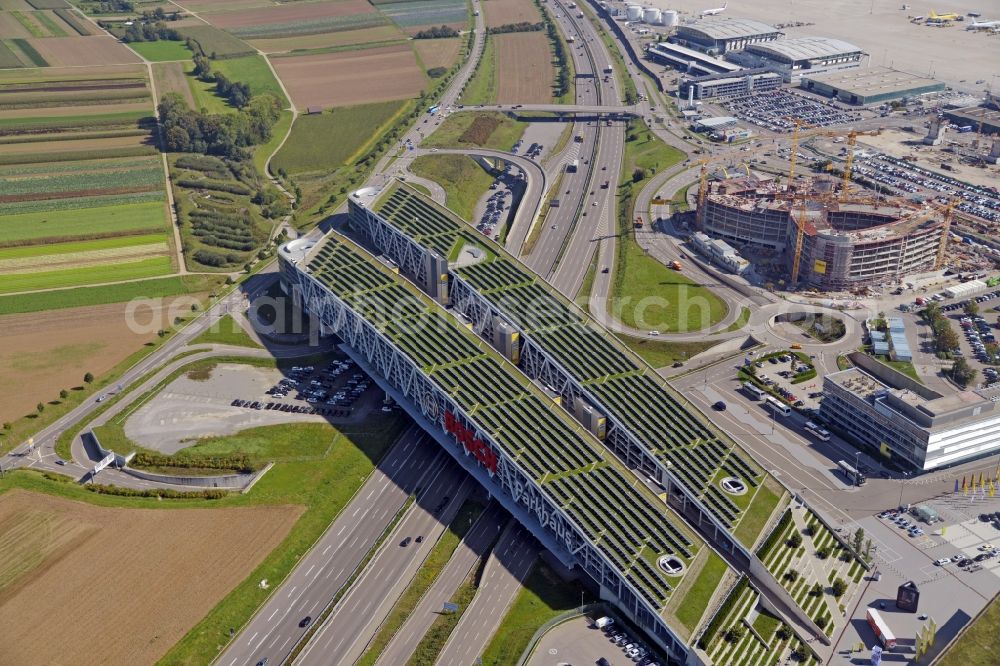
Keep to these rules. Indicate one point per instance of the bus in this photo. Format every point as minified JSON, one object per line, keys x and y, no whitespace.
{"x":881,"y":629}
{"x":822,"y":434}
{"x":754,"y":390}
{"x":778,"y":407}
{"x":854,"y":476}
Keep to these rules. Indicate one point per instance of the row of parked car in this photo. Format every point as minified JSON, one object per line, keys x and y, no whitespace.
{"x":632,"y":648}
{"x":899,"y":519}
{"x":288,"y":407}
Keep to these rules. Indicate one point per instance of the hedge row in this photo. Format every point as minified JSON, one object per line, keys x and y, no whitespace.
{"x":727,"y":606}
{"x":772,"y":539}
{"x":160,"y":493}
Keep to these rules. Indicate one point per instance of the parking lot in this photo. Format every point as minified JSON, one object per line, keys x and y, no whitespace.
{"x":774,"y":110}
{"x":979,"y":336}
{"x":580,"y":642}
{"x":333,"y":390}
{"x":499,"y":201}
{"x":907,"y":177}
{"x":778,"y":373}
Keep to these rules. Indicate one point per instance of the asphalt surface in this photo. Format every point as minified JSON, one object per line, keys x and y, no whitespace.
{"x":474,"y":546}
{"x":274,"y":630}
{"x":357,"y":616}
{"x":509,"y":564}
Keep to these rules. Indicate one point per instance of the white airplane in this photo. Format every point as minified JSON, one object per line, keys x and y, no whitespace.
{"x":713,"y":12}
{"x":976,"y":25}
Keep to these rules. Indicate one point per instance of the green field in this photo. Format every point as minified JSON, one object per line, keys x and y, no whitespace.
{"x":215,"y":43}
{"x":481,"y":129}
{"x":697,"y":596}
{"x":162,"y":50}
{"x":755,"y":516}
{"x":253,"y":71}
{"x":226,"y":331}
{"x":63,"y":122}
{"x":328,"y":140}
{"x":82,"y":222}
{"x":278,"y":132}
{"x":978,"y":645}
{"x":649,"y":296}
{"x":55,"y":249}
{"x":72,"y":277}
{"x":204,"y":94}
{"x":543,"y":597}
{"x":117,"y":293}
{"x":661,"y":353}
{"x":463,"y":180}
{"x":482,"y":87}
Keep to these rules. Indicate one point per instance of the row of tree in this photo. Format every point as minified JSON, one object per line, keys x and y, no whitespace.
{"x":141,"y":31}
{"x":523,"y":26}
{"x":559,"y":52}
{"x":946,"y":339}
{"x":440,"y":32}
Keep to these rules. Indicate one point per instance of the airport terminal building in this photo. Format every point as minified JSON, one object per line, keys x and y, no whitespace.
{"x":874,"y":85}
{"x":801,"y":55}
{"x":881,"y":408}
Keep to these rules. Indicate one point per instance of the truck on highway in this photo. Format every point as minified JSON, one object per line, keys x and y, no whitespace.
{"x":570,"y":39}
{"x":676,"y":265}
{"x":579,"y":14}
{"x":605,"y":184}
{"x":573,"y":166}
{"x":578,"y":138}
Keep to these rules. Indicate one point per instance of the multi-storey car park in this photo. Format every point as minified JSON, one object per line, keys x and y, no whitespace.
{"x":844,"y":246}
{"x":709,"y":482}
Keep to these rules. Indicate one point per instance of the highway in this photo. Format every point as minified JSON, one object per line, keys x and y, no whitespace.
{"x":357,"y":616}
{"x":508,"y":566}
{"x":274,"y":629}
{"x":475,"y":545}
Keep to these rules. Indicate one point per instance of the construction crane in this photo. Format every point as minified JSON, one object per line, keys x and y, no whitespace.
{"x":946,"y":232}
{"x":852,"y":139}
{"x":703,"y":184}
{"x":800,"y":234}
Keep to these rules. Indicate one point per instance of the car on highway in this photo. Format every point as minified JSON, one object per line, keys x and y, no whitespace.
{"x":305,"y":622}
{"x":719,"y":406}
{"x":405,"y":542}
{"x":60,"y":462}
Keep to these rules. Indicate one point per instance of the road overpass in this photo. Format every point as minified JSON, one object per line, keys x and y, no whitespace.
{"x":568,"y":111}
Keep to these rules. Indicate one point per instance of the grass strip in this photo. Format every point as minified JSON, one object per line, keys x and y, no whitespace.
{"x":425,"y":577}
{"x":32,"y":54}
{"x":226,"y":331}
{"x":430,"y":646}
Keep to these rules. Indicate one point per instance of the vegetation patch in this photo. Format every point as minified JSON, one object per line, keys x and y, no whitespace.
{"x":661,"y":353}
{"x":463,"y":179}
{"x":226,"y":331}
{"x":477,"y":129}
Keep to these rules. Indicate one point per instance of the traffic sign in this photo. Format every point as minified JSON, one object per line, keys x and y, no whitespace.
{"x":104,"y":462}
{"x":450,"y":607}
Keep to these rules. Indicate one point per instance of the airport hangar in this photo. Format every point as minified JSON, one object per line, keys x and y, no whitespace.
{"x":793,"y":58}
{"x":719,"y":36}
{"x":548,"y":437}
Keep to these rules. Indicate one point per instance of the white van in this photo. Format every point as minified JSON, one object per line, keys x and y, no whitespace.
{"x":604,"y":622}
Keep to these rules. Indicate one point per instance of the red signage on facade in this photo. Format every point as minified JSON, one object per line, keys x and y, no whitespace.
{"x":480,"y":450}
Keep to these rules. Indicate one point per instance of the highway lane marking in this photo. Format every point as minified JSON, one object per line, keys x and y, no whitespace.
{"x":252,"y":637}
{"x":310,"y":570}
{"x":330,"y":546}
{"x":273,"y":614}
{"x":292,"y":591}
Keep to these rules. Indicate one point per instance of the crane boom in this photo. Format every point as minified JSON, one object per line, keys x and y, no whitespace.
{"x":800,"y":232}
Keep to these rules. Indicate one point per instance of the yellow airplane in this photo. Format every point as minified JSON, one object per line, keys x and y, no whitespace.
{"x":942,"y":17}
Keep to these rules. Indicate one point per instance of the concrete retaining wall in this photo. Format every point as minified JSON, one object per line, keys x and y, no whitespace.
{"x":226,"y":482}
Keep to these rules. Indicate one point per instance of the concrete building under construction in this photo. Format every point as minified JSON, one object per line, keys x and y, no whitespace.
{"x":844,"y":244}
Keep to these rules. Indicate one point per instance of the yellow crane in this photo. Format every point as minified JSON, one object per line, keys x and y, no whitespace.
{"x":800,"y":234}
{"x":946,"y":232}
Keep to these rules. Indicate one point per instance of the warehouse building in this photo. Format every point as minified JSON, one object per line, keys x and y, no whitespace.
{"x":874,"y":85}
{"x":728,"y":85}
{"x":795,"y":57}
{"x":688,"y":60}
{"x":973,"y":115}
{"x":722,"y":35}
{"x":883,"y":409}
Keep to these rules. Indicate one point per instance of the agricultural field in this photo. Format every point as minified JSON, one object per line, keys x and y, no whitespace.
{"x":438,"y":52}
{"x":79,"y":51}
{"x":173,"y":77}
{"x":82,"y":192}
{"x":49,"y":573}
{"x":524,"y":69}
{"x":351,"y":77}
{"x":413,"y":15}
{"x":43,"y":352}
{"x":503,"y":12}
{"x":162,"y":50}
{"x":325,"y":150}
{"x":381,"y":34}
{"x":212,"y":40}
{"x":293,"y":19}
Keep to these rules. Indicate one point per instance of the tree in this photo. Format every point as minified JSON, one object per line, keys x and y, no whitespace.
{"x":859,"y":537}
{"x":947,"y":339}
{"x":962,"y":372}
{"x":800,"y":654}
{"x":783,"y":632}
{"x":795,"y":540}
{"x":735,"y":633}
{"x":40,"y":408}
{"x":792,"y":575}
{"x":88,"y":378}
{"x":64,"y":394}
{"x":821,"y":621}
{"x":7,"y":425}
{"x":816,"y":589}
{"x":839,"y":587}
{"x":638,"y":175}
{"x":971,"y":308}
{"x":823,"y":552}
{"x":932,"y":311}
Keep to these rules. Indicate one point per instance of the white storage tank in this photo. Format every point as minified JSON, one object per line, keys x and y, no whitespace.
{"x":633,"y":13}
{"x":669,"y":18}
{"x":651,"y":15}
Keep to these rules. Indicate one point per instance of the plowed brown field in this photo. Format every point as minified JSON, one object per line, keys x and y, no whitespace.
{"x":170,"y":78}
{"x":502,"y":12}
{"x":351,"y":77}
{"x":97,"y":585}
{"x":438,"y":52}
{"x":525,"y":74}
{"x":44,"y":352}
{"x":83,"y":51}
